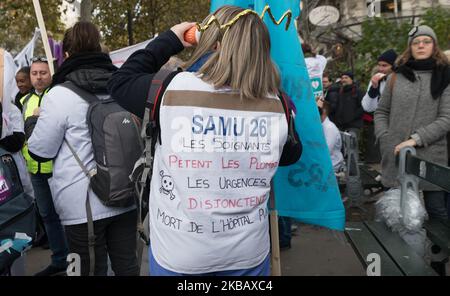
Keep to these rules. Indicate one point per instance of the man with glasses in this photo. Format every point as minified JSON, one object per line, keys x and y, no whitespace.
{"x":40,"y":172}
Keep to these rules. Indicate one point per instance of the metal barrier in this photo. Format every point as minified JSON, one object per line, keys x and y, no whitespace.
{"x":354,"y":189}
{"x":406,"y":180}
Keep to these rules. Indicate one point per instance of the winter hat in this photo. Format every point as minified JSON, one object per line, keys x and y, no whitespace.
{"x":348,"y":73}
{"x":421,"y":31}
{"x":388,"y":56}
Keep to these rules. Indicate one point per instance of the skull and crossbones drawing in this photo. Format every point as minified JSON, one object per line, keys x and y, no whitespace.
{"x":167,"y":185}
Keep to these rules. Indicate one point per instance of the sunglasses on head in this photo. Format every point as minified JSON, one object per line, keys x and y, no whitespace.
{"x":413,"y":31}
{"x":39,"y":59}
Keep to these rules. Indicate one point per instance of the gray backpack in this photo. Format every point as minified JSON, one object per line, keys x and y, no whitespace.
{"x":116,"y":141}
{"x":117,"y":145}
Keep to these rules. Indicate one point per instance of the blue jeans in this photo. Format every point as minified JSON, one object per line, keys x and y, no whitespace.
{"x":262,"y":269}
{"x":53,"y":228}
{"x":284,"y":231}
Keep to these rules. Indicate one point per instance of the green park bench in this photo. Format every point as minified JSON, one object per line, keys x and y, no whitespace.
{"x":396,"y":256}
{"x":438,"y":231}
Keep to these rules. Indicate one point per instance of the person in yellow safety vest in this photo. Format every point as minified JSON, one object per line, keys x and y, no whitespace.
{"x":41,"y":170}
{"x":31,"y":104}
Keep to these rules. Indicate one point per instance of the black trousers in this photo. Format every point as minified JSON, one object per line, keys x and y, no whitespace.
{"x":115,"y":236}
{"x":372,"y":151}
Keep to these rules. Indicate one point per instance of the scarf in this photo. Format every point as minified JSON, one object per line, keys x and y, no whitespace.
{"x":91,"y":60}
{"x":440,"y":77}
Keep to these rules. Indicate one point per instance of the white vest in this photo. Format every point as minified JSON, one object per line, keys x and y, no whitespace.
{"x":211,"y":177}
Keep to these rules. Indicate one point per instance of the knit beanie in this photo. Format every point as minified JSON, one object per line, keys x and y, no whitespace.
{"x":388,"y":56}
{"x":421,"y":31}
{"x":348,"y":73}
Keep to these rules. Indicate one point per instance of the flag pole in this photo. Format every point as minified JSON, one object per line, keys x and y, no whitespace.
{"x":2,"y":70}
{"x":44,"y":37}
{"x":274,"y":236}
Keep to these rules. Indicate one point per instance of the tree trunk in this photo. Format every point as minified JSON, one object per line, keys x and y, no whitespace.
{"x":86,"y":11}
{"x":130,"y":27}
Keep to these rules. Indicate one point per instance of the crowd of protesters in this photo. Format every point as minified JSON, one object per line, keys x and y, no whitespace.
{"x":407,"y":103}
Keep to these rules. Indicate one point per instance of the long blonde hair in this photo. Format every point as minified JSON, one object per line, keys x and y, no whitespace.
{"x":242,"y":60}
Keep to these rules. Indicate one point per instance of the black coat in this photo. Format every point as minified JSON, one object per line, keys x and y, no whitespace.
{"x":349,"y":111}
{"x":331,"y":97}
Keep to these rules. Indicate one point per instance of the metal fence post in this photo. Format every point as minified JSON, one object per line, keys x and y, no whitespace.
{"x":406,"y":180}
{"x":353,"y":189}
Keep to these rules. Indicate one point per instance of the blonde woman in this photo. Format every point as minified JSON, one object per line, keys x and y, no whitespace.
{"x":223,"y":134}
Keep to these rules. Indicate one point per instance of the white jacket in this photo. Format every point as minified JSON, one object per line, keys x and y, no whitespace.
{"x":12,"y":120}
{"x":63,"y":118}
{"x":370,"y":104}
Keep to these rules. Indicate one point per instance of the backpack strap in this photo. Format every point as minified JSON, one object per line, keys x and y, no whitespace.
{"x":89,"y":216}
{"x":150,"y":133}
{"x":285,"y":102}
{"x":150,"y":123}
{"x":25,"y":101}
{"x":292,"y":137}
{"x":89,"y":97}
{"x":392,"y":81}
{"x":156,"y":91}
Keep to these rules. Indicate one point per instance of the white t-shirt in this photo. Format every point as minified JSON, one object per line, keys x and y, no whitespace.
{"x":211,"y":177}
{"x":334,"y":142}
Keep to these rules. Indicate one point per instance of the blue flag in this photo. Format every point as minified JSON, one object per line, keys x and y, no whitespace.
{"x":241,"y":3}
{"x":308,"y":190}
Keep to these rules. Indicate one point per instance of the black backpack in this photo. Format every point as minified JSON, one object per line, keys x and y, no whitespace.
{"x":17,"y":214}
